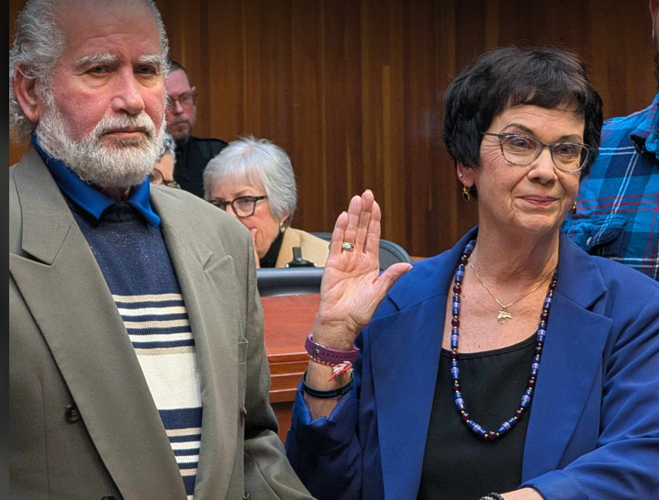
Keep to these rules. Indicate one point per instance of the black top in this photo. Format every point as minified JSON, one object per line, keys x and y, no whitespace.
{"x":458,"y":465}
{"x":270,"y":258}
{"x":191,"y":160}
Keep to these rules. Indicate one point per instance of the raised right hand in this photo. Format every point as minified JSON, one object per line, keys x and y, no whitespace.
{"x":352,"y":287}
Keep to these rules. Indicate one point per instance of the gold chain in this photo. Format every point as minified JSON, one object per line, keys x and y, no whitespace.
{"x":503,"y":314}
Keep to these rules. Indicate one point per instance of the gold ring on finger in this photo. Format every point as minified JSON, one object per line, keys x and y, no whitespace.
{"x":347,"y":246}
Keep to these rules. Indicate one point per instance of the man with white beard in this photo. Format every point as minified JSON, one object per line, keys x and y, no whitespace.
{"x":137,"y":365}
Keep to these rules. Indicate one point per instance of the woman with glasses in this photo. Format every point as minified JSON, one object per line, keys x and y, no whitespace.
{"x":513,"y":366}
{"x":253,"y":180}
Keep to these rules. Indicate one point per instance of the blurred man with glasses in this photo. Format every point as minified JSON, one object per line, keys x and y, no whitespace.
{"x":618,"y":202}
{"x":192,"y":153}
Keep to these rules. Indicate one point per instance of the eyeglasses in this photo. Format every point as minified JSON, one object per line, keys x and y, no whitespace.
{"x":186,"y":100}
{"x":243,"y":206}
{"x":157,"y":177}
{"x":520,"y":149}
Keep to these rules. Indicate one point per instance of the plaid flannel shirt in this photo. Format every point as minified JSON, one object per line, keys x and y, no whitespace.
{"x":618,"y":202}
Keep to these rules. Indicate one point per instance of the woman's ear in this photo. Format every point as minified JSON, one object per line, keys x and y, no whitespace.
{"x":25,"y":90}
{"x":465,"y":174}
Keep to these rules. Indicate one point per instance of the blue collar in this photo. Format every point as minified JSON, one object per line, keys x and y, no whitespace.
{"x":89,"y":198}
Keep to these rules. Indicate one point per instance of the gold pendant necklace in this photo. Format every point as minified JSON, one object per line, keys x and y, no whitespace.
{"x":503,"y":314}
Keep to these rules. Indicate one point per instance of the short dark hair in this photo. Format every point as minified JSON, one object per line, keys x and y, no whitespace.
{"x":175,"y":66}
{"x":514,"y":76}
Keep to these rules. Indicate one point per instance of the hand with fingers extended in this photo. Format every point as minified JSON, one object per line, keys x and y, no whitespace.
{"x":351,"y":290}
{"x":352,"y":287}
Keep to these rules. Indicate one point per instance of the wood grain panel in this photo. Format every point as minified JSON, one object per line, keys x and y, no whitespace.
{"x":353,"y":89}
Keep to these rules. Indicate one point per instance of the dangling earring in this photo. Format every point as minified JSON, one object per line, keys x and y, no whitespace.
{"x":282,"y":227}
{"x":573,"y":210}
{"x":466,"y":193}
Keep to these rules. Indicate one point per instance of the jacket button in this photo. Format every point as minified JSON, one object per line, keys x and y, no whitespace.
{"x":72,"y":414}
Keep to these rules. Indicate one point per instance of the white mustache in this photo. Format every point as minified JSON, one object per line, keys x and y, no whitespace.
{"x":113,"y":123}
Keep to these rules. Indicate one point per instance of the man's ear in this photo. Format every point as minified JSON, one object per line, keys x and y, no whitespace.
{"x":25,"y":90}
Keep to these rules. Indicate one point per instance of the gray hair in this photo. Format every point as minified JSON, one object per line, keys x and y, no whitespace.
{"x":168,"y":146}
{"x":256,"y":162}
{"x":39,"y":43}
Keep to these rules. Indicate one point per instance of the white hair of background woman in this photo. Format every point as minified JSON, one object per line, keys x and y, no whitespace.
{"x":39,"y":43}
{"x":256,"y":162}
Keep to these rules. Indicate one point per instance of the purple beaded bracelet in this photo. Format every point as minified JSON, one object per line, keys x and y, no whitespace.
{"x":327,"y":354}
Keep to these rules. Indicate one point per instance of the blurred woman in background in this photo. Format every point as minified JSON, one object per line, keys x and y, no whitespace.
{"x":253,"y":180}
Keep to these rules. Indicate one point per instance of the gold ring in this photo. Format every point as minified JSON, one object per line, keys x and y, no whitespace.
{"x":347,"y":246}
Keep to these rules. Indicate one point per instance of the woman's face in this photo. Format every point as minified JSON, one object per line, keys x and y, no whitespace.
{"x":262,"y":225}
{"x":533,"y":198}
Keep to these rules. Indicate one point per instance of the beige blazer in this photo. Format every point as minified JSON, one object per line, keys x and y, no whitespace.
{"x":82,"y":423}
{"x":313,"y":248}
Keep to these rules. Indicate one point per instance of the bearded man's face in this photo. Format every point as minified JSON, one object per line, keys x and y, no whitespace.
{"x":104,"y":112}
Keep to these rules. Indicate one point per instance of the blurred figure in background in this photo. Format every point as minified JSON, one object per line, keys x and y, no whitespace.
{"x":163,"y":172}
{"x":253,"y":180}
{"x":192,"y":153}
{"x":618,"y":202}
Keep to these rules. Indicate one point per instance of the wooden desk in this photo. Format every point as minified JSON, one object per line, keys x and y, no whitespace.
{"x":288,"y":320}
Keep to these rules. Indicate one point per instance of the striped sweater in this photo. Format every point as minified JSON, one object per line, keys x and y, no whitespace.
{"x":138,"y":270}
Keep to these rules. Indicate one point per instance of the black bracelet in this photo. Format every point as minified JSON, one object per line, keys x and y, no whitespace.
{"x":336,"y":393}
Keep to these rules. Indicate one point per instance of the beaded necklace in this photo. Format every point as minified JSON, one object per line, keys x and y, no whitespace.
{"x":455,"y":370}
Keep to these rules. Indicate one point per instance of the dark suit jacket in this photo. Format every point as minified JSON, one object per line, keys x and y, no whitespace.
{"x":593,"y":432}
{"x":82,"y":423}
{"x":191,"y":160}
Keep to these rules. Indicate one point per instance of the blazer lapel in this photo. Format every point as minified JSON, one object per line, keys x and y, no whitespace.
{"x":404,"y":376}
{"x":571,"y":361}
{"x":208,"y":285}
{"x":71,"y":303}
{"x":405,"y":349}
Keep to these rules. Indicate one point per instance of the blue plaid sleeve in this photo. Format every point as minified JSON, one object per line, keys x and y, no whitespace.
{"x":618,"y":202}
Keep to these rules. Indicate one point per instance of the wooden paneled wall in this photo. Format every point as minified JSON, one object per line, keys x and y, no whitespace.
{"x":352,"y":89}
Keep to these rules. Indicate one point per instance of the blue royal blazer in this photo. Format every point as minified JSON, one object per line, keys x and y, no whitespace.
{"x":593,"y":432}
